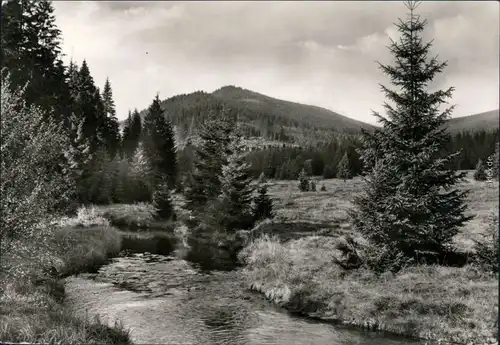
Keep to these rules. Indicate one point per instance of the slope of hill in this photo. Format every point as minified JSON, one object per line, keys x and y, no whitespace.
{"x":301,"y":113}
{"x":487,"y":121}
{"x":273,"y":121}
{"x":260,"y":116}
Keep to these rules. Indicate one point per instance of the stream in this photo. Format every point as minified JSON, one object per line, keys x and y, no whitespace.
{"x":168,"y":300}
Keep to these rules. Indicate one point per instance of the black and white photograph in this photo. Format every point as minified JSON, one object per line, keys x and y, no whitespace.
{"x":249,"y":172}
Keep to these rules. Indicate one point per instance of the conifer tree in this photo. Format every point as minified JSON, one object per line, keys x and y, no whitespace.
{"x":159,"y":145}
{"x":162,"y":201}
{"x":31,"y":52}
{"x":303,"y":181}
{"x":112,"y":131}
{"x":410,"y":204}
{"x":495,"y":162}
{"x":100,"y":136}
{"x":210,"y":155}
{"x":135,"y":129}
{"x":141,"y":176}
{"x":127,"y":151}
{"x":263,"y":205}
{"x":99,"y":182}
{"x":78,"y":156}
{"x":480,"y":173}
{"x":344,"y":169}
{"x":236,"y":190}
{"x":88,"y":106}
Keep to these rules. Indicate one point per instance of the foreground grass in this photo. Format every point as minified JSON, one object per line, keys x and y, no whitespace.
{"x":430,"y":302}
{"x":299,"y":273}
{"x":34,"y":313}
{"x":31,"y":302}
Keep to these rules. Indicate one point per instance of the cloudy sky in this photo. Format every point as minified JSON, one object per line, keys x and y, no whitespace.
{"x":320,"y":53}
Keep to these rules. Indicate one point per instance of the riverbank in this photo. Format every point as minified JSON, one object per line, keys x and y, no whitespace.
{"x":32,"y":305}
{"x":457,"y":305}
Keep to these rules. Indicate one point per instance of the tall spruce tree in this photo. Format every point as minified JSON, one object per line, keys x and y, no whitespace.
{"x":88,"y":107}
{"x":159,"y":145}
{"x":344,"y":169}
{"x":112,"y":131}
{"x":135,"y":129}
{"x":31,"y":52}
{"x":263,"y":204}
{"x":78,"y":156}
{"x":141,"y":176}
{"x":410,"y":204}
{"x":127,"y":151}
{"x":236,"y":191}
{"x":209,"y":157}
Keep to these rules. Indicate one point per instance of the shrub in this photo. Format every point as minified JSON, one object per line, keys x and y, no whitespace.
{"x":162,"y":201}
{"x":33,"y":180}
{"x":323,"y":188}
{"x":313,"y":186}
{"x":263,"y":207}
{"x":329,"y":171}
{"x":262,"y":178}
{"x":487,"y":248}
{"x":344,"y":168}
{"x":480,"y":173}
{"x":303,"y":181}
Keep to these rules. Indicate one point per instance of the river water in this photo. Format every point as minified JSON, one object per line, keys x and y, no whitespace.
{"x":167,"y":300}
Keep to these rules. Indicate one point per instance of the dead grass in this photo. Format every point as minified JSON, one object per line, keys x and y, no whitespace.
{"x":133,"y":217}
{"x":32,"y":314}
{"x":431,"y":302}
{"x":86,"y":248}
{"x":330,"y":206}
{"x":32,"y":292}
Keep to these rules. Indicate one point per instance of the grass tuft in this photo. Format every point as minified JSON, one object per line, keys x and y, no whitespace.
{"x":431,"y":302}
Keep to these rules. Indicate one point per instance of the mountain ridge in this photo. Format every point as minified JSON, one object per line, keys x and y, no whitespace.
{"x":284,"y":121}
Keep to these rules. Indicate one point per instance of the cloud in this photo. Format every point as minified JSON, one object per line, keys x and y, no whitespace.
{"x":322,"y":53}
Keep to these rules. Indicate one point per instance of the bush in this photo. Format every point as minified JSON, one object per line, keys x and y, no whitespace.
{"x":480,"y":173}
{"x":313,"y":186}
{"x":323,"y":188}
{"x":263,"y":207}
{"x":487,"y":248}
{"x":262,"y":178}
{"x":303,"y":181}
{"x":162,"y":202}
{"x":329,"y":171}
{"x":33,"y":180}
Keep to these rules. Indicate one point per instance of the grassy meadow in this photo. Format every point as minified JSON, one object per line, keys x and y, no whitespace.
{"x":290,"y":261}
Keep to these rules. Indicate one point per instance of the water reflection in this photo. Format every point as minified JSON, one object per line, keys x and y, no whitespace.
{"x":175,"y":304}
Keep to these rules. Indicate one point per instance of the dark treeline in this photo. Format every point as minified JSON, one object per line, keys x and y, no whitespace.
{"x":286,"y":162}
{"x":103,"y":165}
{"x":473,"y":146}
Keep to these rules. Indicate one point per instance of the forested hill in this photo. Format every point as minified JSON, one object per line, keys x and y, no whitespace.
{"x":260,"y":116}
{"x":484,"y":121}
